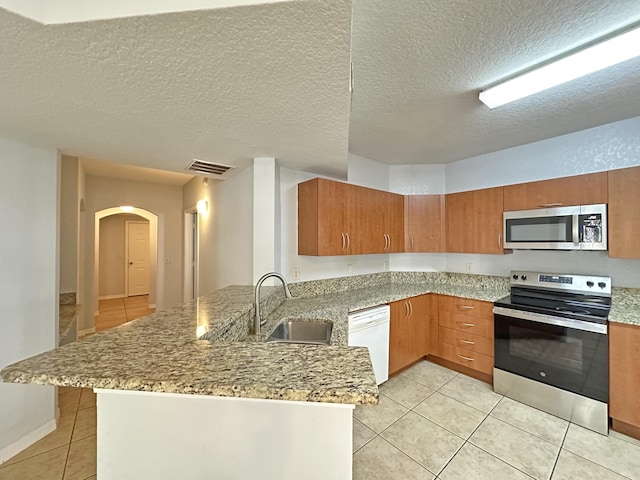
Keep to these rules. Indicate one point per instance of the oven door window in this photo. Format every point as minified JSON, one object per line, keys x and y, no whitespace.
{"x":566,"y":358}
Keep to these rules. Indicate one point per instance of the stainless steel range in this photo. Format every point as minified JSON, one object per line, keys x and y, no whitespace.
{"x":552,"y":348}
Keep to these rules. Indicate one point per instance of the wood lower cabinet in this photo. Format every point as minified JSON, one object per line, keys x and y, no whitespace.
{"x":424,"y":223}
{"x":624,"y":213}
{"x":465,"y":333}
{"x":624,"y":377}
{"x":559,"y":192}
{"x":409,"y":332}
{"x":474,"y":221}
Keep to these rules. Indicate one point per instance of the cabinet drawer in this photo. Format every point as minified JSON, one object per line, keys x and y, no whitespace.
{"x":468,"y":341}
{"x":475,"y":308}
{"x":466,"y":323}
{"x":467,"y":358}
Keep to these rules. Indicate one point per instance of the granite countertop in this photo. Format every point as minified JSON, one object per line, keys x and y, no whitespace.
{"x":625,"y":306}
{"x":203,"y":347}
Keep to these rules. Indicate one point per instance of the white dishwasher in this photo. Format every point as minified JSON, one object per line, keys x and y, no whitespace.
{"x":370,"y":328}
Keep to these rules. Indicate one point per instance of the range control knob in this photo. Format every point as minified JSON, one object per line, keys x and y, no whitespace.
{"x":602,"y":284}
{"x":589,"y":283}
{"x":523,"y":277}
{"x":515,"y":276}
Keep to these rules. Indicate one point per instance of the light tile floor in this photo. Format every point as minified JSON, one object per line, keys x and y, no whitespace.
{"x":431,"y":423}
{"x":435,"y":423}
{"x":68,"y":453}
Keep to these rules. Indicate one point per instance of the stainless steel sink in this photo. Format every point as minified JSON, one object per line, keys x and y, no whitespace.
{"x":300,"y":331}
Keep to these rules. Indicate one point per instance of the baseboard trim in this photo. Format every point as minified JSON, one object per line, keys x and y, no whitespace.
{"x":26,"y":441}
{"x":86,"y":331}
{"x":111,"y":297}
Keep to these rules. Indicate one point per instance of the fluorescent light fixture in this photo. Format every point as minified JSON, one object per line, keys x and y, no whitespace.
{"x":596,"y":57}
{"x":126,"y":208}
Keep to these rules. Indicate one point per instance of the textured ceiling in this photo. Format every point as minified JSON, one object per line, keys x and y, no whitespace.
{"x":222,"y":85}
{"x":230,"y":84}
{"x":419,"y":65}
{"x":101,"y":168}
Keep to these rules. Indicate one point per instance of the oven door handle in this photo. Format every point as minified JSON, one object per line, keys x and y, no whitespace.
{"x":552,"y":320}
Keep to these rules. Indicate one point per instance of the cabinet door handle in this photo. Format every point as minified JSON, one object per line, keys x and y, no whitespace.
{"x":348,"y":240}
{"x":387,"y":241}
{"x":406,"y":306}
{"x":410,"y":308}
{"x":465,"y":307}
{"x":468,"y":342}
{"x":343,"y":241}
{"x":466,"y":358}
{"x":411,"y":240}
{"x":466,"y":324}
{"x":500,"y":246}
{"x":548,"y":205}
{"x":389,"y":237}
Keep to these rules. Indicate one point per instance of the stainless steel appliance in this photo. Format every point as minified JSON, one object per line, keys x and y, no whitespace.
{"x":552,"y":348}
{"x":563,"y":228}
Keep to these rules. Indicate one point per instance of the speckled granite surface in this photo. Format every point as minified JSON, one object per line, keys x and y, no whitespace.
{"x":204,"y":346}
{"x":67,"y":298}
{"x":625,"y":306}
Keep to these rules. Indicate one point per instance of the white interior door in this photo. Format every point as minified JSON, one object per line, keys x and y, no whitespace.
{"x":137,"y":258}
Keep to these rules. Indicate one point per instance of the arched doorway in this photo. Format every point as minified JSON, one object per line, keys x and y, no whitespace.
{"x":153,"y":249}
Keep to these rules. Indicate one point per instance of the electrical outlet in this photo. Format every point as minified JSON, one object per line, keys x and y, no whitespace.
{"x":349,"y":268}
{"x":296,"y":273}
{"x":467,"y":267}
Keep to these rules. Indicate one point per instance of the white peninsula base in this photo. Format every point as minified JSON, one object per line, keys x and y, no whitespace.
{"x":169,"y":436}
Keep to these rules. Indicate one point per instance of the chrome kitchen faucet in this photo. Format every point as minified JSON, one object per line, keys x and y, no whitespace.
{"x":258,"y":322}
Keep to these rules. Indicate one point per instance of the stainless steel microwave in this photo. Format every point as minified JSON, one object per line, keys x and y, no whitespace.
{"x":563,"y":228}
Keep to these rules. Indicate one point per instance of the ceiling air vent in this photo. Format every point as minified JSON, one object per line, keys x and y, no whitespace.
{"x":208,"y":168}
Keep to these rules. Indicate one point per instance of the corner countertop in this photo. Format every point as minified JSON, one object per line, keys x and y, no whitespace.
{"x":202,"y":347}
{"x":625,"y":306}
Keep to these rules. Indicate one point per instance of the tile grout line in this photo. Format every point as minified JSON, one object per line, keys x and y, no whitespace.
{"x":75,"y":419}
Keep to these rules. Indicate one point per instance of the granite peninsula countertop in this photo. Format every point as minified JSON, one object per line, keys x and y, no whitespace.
{"x":203,"y":347}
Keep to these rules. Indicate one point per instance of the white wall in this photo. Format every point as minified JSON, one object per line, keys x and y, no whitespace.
{"x":81,"y":285}
{"x":112,"y":254}
{"x":608,"y":147}
{"x":226,"y":231}
{"x":612,"y":146}
{"x":28,"y":286}
{"x":165,"y":201}
{"x":368,"y":173}
{"x":68,"y":224}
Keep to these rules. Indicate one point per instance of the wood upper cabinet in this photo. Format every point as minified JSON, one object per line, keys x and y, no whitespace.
{"x":559,"y":192}
{"x":321,"y":217}
{"x":624,"y":373}
{"x":424,"y":223}
{"x":624,"y":213}
{"x":385,"y":222}
{"x":331,"y":218}
{"x":474,"y":221}
{"x":409,"y":332}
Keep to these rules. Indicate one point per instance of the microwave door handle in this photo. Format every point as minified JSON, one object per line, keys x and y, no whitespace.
{"x":575,"y":229}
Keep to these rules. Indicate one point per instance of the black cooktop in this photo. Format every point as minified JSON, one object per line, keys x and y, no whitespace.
{"x":580,"y":307}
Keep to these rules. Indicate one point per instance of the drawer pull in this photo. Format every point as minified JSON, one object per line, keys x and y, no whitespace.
{"x":466,"y":358}
{"x":468,"y":342}
{"x":465,"y":307}
{"x":466,"y":324}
